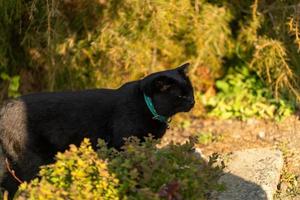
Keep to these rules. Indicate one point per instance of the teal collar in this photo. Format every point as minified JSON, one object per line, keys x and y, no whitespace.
{"x":153,"y":111}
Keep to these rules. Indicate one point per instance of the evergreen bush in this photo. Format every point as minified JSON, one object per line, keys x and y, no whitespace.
{"x":140,"y":171}
{"x":68,"y":45}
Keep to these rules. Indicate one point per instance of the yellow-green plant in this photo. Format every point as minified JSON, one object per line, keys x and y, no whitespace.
{"x":57,"y":45}
{"x":77,"y":44}
{"x":241,"y":94}
{"x":206,"y":138}
{"x":77,"y":174}
{"x":139,"y":37}
{"x":268,"y":47}
{"x":294,"y":28}
{"x":139,"y":171}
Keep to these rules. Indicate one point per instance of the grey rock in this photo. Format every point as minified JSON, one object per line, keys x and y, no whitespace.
{"x":198,"y":152}
{"x":251,"y":174}
{"x":200,"y":155}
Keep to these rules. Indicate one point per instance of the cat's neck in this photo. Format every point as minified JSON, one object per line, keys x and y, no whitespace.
{"x":137,"y":103}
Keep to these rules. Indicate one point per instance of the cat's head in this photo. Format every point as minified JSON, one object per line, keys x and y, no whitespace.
{"x":171,"y":91}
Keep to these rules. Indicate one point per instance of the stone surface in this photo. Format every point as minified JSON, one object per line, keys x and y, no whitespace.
{"x":251,"y":174}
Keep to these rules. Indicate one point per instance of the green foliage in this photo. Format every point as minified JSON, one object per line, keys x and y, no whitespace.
{"x":77,"y":174}
{"x":243,"y":95}
{"x":206,"y":138}
{"x":10,"y":12}
{"x":140,"y":171}
{"x":75,"y":44}
{"x":267,"y":39}
{"x":145,"y":36}
{"x":57,"y":45}
{"x":265,"y":43}
{"x":14,"y":84}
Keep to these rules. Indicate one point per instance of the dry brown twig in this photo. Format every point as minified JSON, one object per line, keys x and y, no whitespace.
{"x":294,"y":29}
{"x":11,"y":171}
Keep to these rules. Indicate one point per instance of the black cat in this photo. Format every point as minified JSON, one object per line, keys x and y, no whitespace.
{"x":33,"y":128}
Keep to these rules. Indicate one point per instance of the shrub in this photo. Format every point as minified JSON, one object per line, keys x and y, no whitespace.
{"x":140,"y":171}
{"x":77,"y":174}
{"x":59,"y":45}
{"x":75,"y":44}
{"x":269,"y":44}
{"x":241,"y":94}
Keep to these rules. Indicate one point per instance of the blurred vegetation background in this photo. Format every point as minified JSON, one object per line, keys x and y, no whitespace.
{"x":55,"y":45}
{"x":245,"y":62}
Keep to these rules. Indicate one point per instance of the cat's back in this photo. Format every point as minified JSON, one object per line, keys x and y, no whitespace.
{"x":73,"y":99}
{"x":67,"y":96}
{"x":56,"y":105}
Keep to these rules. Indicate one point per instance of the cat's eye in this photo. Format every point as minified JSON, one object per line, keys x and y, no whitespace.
{"x":182,"y":97}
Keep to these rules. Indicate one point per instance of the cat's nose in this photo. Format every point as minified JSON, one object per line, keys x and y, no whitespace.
{"x":191,"y":101}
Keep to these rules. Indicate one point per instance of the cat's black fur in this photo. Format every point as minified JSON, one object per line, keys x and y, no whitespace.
{"x":33,"y":128}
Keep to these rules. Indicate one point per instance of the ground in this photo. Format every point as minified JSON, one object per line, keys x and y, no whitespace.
{"x":225,"y":136}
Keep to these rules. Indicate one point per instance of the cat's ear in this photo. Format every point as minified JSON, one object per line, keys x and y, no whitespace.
{"x":183,"y":68}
